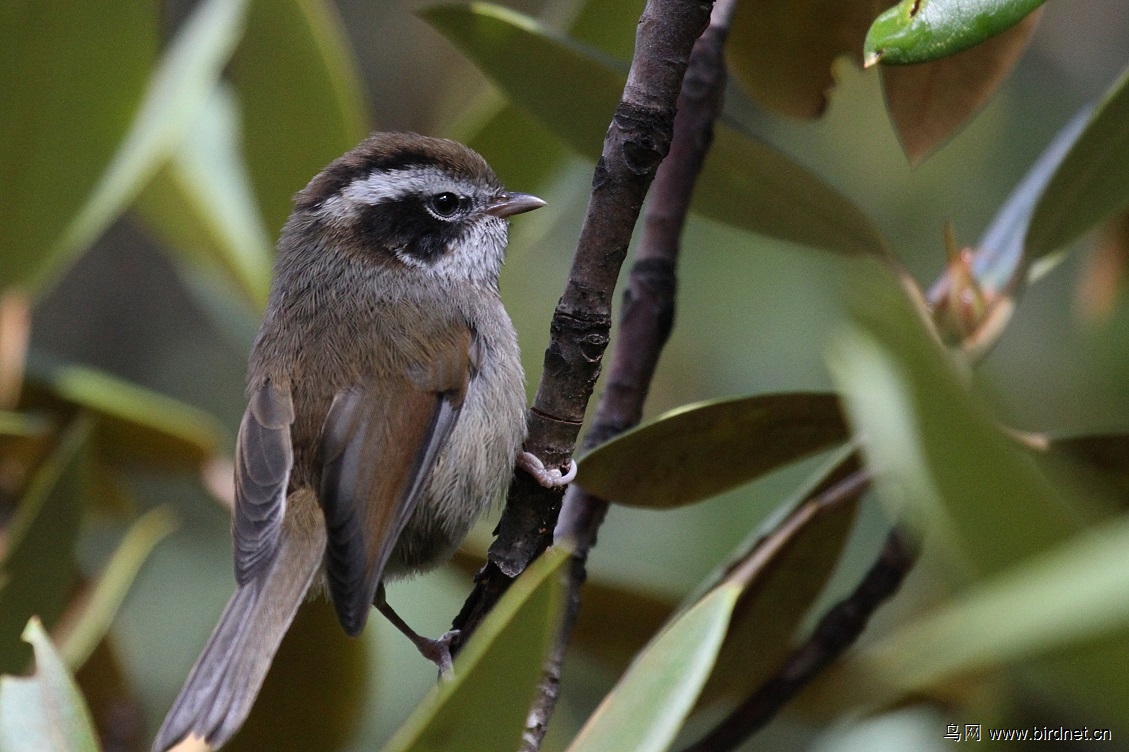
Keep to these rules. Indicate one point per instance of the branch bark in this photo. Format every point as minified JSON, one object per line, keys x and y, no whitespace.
{"x":647,"y":317}
{"x":637,"y":141}
{"x":836,"y":631}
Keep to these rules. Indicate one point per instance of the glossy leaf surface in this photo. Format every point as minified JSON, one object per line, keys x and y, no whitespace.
{"x":650,"y":702}
{"x":917,"y":31}
{"x":177,"y":92}
{"x":71,"y":76}
{"x":300,"y":110}
{"x":921,"y":426}
{"x":496,"y":672}
{"x":928,"y":102}
{"x":700,"y":450}
{"x":1089,"y":186}
{"x":38,"y":568}
{"x":781,"y":51}
{"x":44,"y":711}
{"x":201,"y":203}
{"x":133,"y":424}
{"x":743,"y":183}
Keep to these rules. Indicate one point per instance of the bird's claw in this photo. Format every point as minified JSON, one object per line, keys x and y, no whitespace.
{"x":549,"y":478}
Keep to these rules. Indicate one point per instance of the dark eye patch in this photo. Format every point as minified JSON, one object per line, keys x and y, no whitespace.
{"x":409,"y":226}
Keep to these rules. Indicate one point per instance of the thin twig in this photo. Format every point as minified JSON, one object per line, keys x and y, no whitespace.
{"x":637,"y":141}
{"x":646,"y":319}
{"x":837,"y":631}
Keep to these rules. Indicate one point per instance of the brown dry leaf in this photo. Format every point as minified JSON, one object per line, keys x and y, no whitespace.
{"x":928,"y":102}
{"x":1102,"y":280}
{"x":781,"y":51}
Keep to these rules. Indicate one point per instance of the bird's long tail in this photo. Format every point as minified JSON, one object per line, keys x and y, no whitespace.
{"x":218,"y":694}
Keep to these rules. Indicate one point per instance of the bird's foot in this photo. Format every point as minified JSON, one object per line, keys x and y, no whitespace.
{"x":553,"y":478}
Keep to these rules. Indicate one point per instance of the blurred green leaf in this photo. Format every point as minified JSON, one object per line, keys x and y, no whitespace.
{"x":698,"y":451}
{"x":1089,"y":185}
{"x":743,"y":183}
{"x":1068,"y":593}
{"x":44,"y":711}
{"x":201,"y":203}
{"x":929,"y":102}
{"x":1105,"y":456}
{"x":38,"y":566}
{"x":789,"y":561}
{"x":314,"y":694}
{"x":302,"y":109}
{"x":608,"y":25}
{"x":917,"y":31}
{"x":71,"y":75}
{"x":77,"y":642}
{"x":649,"y":704}
{"x":177,"y":92}
{"x":21,"y":424}
{"x":485,"y":704}
{"x":134,"y":424}
{"x":932,"y":448}
{"x":781,"y":51}
{"x":617,"y":620}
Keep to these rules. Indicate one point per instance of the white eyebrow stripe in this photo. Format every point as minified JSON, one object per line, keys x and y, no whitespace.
{"x":381,"y":186}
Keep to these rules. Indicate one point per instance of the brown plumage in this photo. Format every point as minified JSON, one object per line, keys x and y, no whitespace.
{"x":385,"y":403}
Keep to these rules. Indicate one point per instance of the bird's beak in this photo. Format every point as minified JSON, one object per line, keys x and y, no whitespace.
{"x":509,"y":204}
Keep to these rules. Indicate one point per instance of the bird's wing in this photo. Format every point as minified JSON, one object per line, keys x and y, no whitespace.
{"x":379,"y":444}
{"x":263,"y":459}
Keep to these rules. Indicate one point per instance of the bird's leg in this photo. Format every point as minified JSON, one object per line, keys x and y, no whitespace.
{"x":533,"y":465}
{"x":436,"y":651}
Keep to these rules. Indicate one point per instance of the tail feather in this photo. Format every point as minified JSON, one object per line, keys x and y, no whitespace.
{"x":219,"y":693}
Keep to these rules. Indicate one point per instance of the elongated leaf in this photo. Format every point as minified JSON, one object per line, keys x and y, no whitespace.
{"x":651,"y":701}
{"x":917,"y":31}
{"x":177,"y":92}
{"x":79,"y":640}
{"x":1103,"y":457}
{"x":743,"y":183}
{"x":933,"y":449}
{"x":496,"y":672}
{"x":1090,"y":184}
{"x":133,"y":424}
{"x":301,"y":109}
{"x":700,"y":450}
{"x":1069,"y":593}
{"x":781,"y":51}
{"x":928,"y":102}
{"x":787,"y":564}
{"x":300,"y":709}
{"x":38,"y":567}
{"x":202,"y":205}
{"x":71,"y":75}
{"x":44,"y":711}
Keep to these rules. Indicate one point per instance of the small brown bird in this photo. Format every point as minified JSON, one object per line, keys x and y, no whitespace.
{"x":386,"y":406}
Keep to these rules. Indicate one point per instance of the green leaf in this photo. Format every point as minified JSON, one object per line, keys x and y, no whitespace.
{"x":743,"y":183}
{"x":647,"y":707}
{"x":1105,"y":457}
{"x":1090,"y":184}
{"x":38,"y":568}
{"x":701,"y":450}
{"x":133,"y":424}
{"x":71,"y":75}
{"x":94,"y":620}
{"x":299,"y":709}
{"x":917,"y":31}
{"x":485,"y":704}
{"x":177,"y":92}
{"x":787,"y":564}
{"x":1070,"y":593}
{"x":301,"y":98}
{"x":935,"y":452}
{"x":44,"y":711}
{"x":201,"y":203}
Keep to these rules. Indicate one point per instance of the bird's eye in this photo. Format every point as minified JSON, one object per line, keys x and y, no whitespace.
{"x":445,"y":204}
